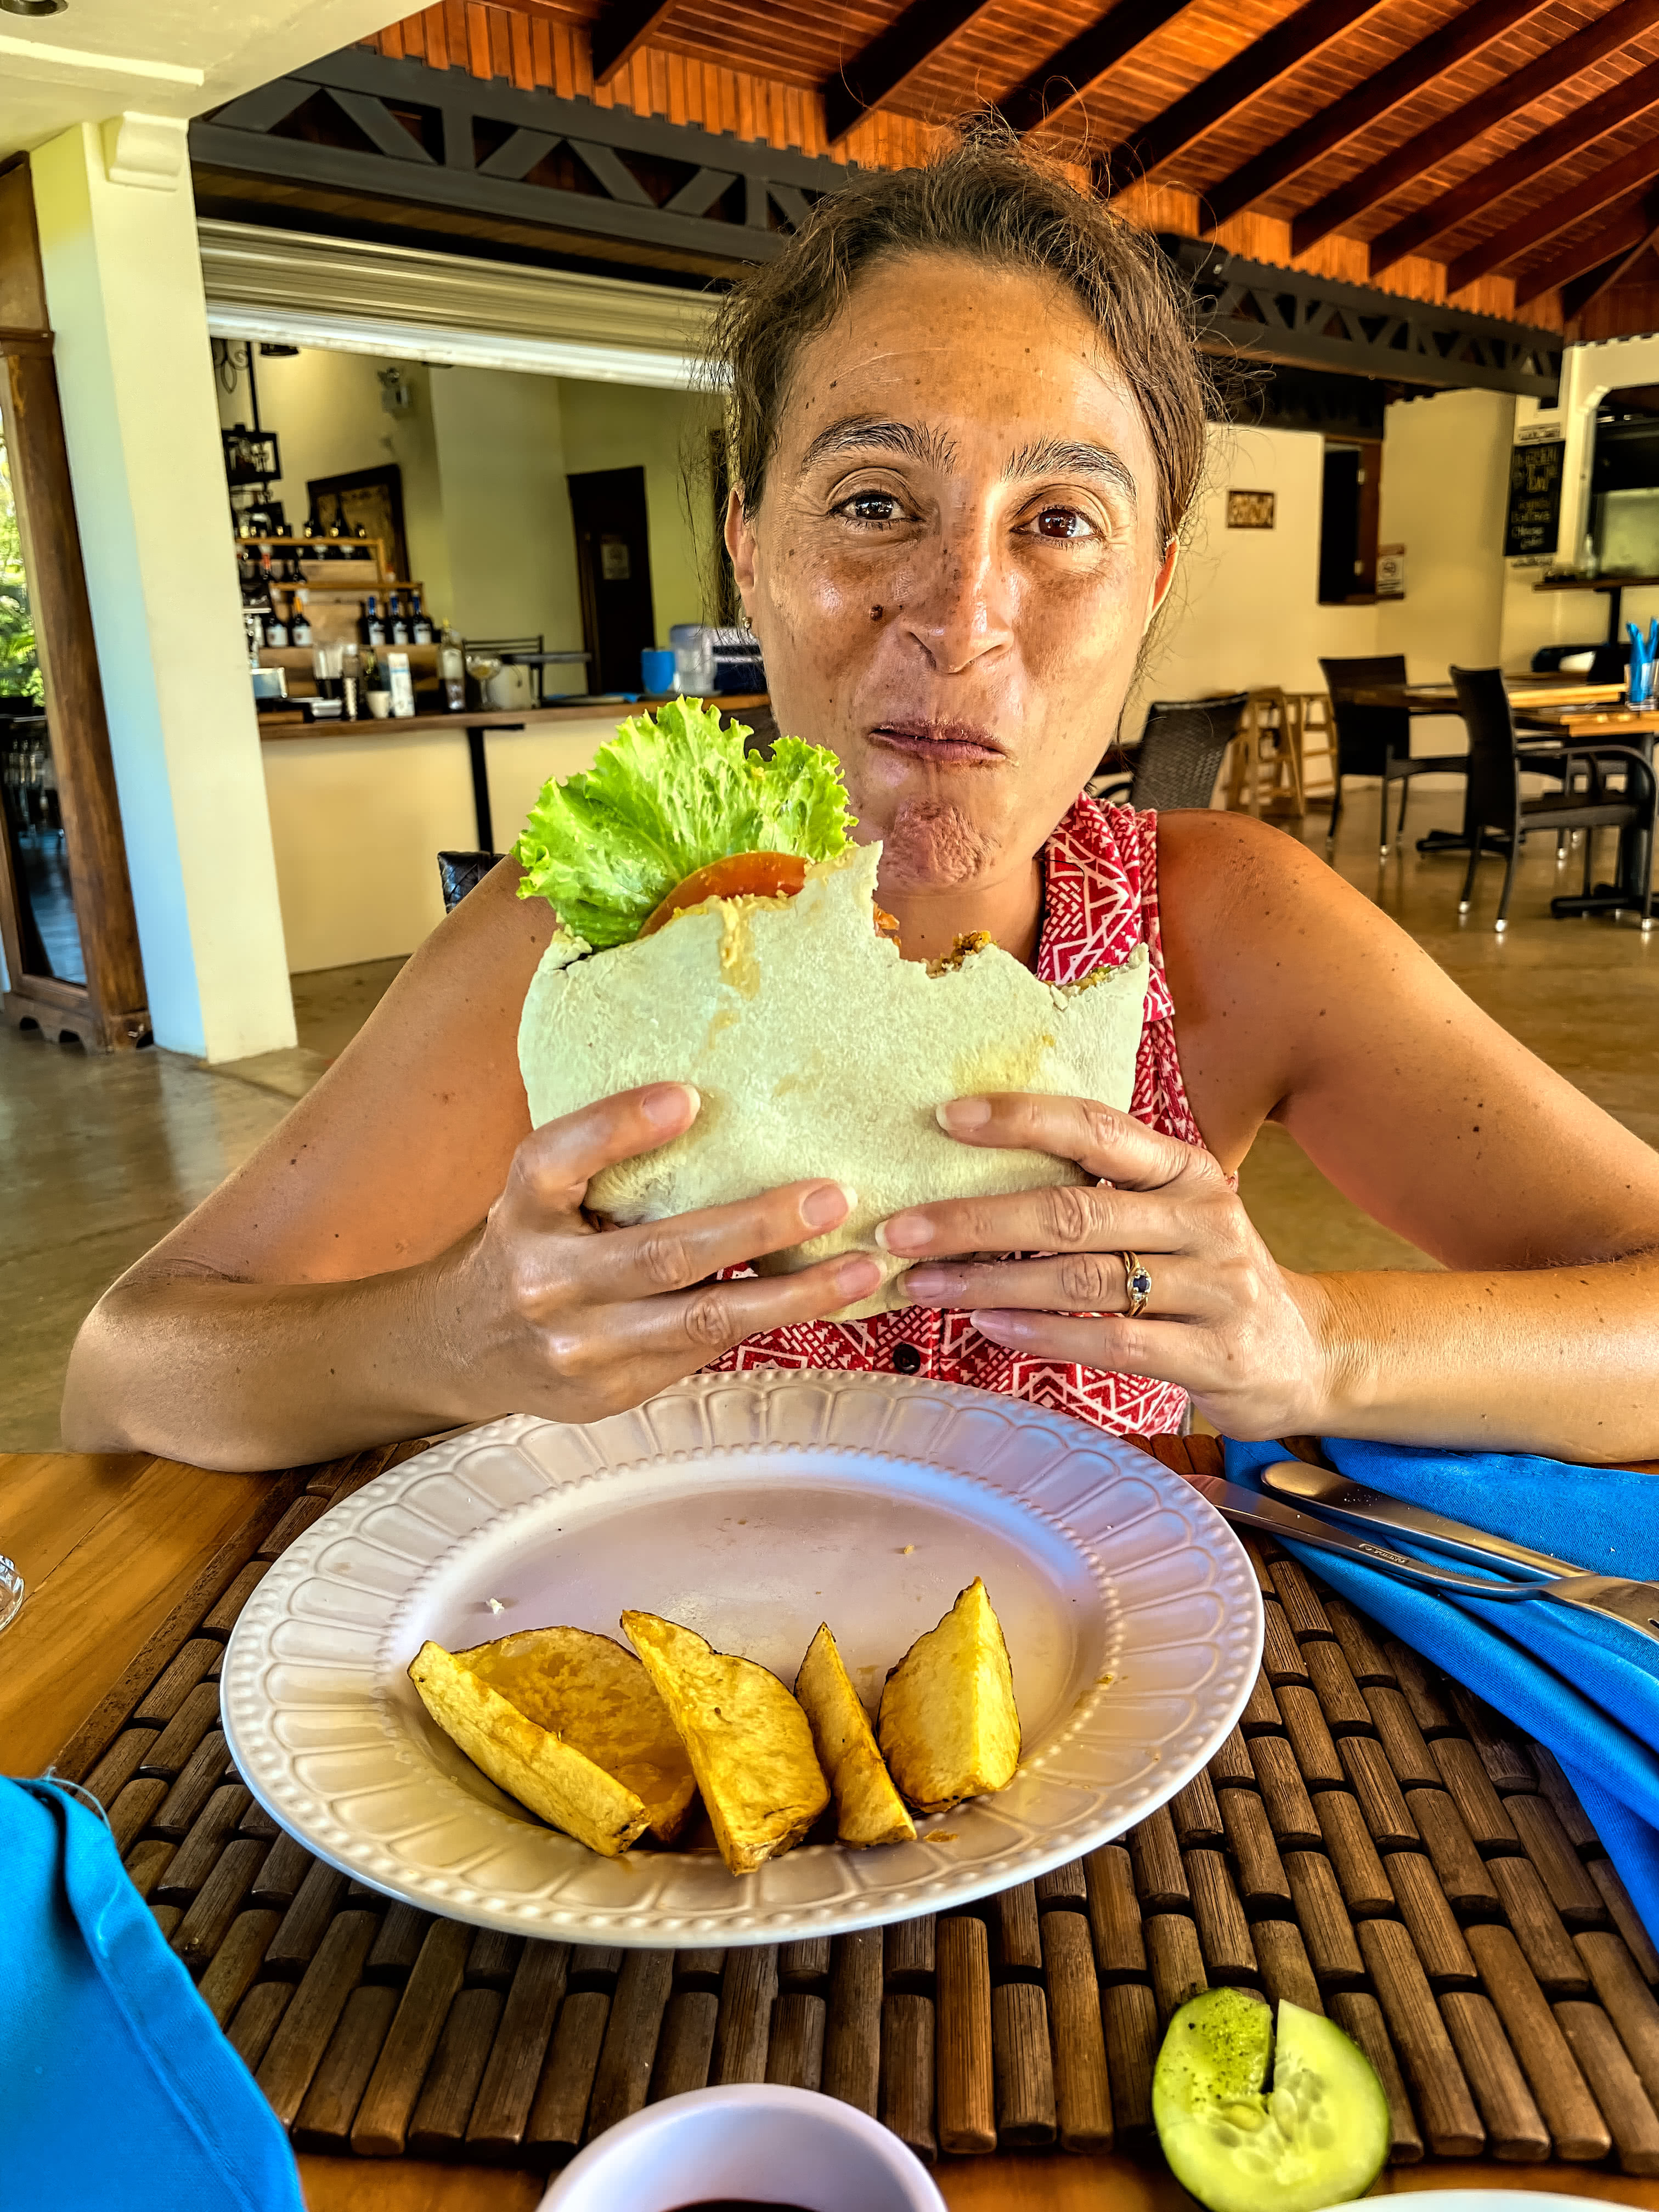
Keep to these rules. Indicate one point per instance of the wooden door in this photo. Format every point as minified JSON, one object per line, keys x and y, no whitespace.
{"x":66,"y":919}
{"x":613,"y":563}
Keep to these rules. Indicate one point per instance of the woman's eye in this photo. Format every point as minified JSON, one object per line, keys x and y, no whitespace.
{"x":1063,"y":522}
{"x":870,"y":507}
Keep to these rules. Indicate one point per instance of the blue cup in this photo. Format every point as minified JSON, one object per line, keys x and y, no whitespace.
{"x":657,"y":670}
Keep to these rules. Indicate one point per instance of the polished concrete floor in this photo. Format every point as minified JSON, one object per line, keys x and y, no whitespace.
{"x":99,"y":1157}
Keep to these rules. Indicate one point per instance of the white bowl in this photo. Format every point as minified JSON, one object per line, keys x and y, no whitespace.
{"x":770,"y":2145}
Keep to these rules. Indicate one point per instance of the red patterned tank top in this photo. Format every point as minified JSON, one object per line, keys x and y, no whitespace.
{"x":1100,"y":901}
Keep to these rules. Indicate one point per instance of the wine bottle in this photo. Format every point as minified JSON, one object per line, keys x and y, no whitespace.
{"x":374,"y":627}
{"x":275,"y":628}
{"x":399,"y":623}
{"x":420,"y":620}
{"x":300,"y":629}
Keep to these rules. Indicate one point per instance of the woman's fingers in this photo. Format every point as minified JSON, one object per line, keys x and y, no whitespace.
{"x":603,"y":1358}
{"x":684,"y":1248}
{"x":554,"y":1165}
{"x":1065,"y":1218}
{"x":1104,"y":1143}
{"x":1069,"y":1283}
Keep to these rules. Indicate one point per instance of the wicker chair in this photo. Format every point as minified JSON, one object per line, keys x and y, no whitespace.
{"x":1495,"y":808}
{"x":461,"y":872}
{"x":1179,"y":756}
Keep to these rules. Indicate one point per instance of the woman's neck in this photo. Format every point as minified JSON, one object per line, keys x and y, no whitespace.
{"x":1008,"y":910}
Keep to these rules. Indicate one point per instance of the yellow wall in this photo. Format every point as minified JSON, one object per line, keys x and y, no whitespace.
{"x":507,"y":514}
{"x":615,"y":426}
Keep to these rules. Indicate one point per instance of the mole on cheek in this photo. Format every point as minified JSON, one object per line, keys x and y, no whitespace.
{"x":875,"y":614}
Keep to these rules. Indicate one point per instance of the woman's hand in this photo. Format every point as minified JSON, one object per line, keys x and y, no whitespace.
{"x":552,"y":1317}
{"x":1224,"y":1319}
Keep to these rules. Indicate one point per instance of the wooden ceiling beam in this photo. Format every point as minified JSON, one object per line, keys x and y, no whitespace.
{"x":878,"y":70}
{"x":1577,"y":295}
{"x":1332,"y":126}
{"x":1451,"y":133}
{"x":1618,"y":236}
{"x":1070,"y":71}
{"x":1634,"y":95}
{"x":619,"y":30}
{"x":1260,"y":65}
{"x":1559,"y":213}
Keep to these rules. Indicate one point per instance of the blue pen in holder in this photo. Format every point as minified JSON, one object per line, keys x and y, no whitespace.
{"x":1643,"y":654}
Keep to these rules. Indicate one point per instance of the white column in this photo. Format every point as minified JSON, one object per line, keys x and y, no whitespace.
{"x":123,"y":286}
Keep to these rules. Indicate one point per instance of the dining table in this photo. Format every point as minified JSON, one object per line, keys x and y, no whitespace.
{"x":120,"y":1552}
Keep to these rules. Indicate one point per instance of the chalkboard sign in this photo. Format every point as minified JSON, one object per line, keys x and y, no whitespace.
{"x":1534,"y":520}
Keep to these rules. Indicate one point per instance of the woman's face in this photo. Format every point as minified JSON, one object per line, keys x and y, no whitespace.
{"x":955,"y":559}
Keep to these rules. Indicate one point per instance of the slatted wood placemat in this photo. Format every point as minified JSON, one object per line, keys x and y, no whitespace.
{"x":1371,"y":1842}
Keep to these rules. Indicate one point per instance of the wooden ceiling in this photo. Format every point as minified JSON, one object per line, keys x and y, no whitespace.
{"x":1501,"y":153}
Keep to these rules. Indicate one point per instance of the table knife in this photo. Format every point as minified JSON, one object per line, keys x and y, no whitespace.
{"x":1351,"y":1502}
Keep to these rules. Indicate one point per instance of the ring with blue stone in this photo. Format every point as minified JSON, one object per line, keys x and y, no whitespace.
{"x":1138,"y":1280}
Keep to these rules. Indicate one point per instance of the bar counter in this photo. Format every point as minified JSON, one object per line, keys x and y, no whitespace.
{"x":360,"y":810}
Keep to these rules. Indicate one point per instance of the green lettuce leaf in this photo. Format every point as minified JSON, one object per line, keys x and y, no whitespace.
{"x":672,"y":791}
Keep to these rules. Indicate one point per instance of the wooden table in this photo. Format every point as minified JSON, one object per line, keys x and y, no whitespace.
{"x":109,"y":1547}
{"x":1527,"y":692}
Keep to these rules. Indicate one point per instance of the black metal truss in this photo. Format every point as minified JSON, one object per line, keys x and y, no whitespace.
{"x":1269,"y":313}
{"x":355,"y":122}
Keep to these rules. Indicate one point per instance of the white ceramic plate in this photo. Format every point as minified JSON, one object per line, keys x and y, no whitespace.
{"x":750,"y":1508}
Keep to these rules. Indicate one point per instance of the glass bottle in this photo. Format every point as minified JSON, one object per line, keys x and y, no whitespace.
{"x":374,"y":627}
{"x":399,"y":621}
{"x":300,"y":628}
{"x":420,"y":620}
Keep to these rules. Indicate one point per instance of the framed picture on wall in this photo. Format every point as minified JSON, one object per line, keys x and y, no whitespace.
{"x":371,"y":498}
{"x":1250,"y":510}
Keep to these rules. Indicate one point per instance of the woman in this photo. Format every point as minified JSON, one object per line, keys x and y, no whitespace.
{"x":968,"y":420}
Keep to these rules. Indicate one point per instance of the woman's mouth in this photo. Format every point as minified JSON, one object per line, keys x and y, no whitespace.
{"x":948,"y":743}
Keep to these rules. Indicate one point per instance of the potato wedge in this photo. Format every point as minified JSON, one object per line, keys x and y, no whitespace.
{"x":749,"y":1743}
{"x":868,"y":1809}
{"x":593,"y":1692}
{"x":532,"y":1764}
{"x":948,"y":1726}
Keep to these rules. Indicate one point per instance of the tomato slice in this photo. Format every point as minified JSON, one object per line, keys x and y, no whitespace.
{"x":740,"y":875}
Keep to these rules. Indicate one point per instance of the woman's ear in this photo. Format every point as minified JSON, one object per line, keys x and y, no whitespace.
{"x":740,"y":544}
{"x":1161,"y":581}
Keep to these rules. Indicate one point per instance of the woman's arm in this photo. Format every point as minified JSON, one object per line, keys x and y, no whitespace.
{"x":402,"y":1253}
{"x":1296,"y":999}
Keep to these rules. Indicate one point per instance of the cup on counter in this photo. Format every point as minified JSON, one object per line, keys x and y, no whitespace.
{"x":754,"y":2143}
{"x":657,"y":670}
{"x":380,"y":704}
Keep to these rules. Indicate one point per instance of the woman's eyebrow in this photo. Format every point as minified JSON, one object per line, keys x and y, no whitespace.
{"x":916,"y":442}
{"x":1063,"y":457}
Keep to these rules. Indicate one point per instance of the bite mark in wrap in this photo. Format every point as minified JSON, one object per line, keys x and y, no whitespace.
{"x":818,"y":1050}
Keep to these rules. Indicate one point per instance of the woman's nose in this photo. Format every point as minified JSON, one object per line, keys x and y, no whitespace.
{"x":961,"y":613}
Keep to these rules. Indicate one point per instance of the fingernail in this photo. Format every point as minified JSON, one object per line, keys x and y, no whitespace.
{"x":904,"y":1232}
{"x":831,"y":1202}
{"x":1004,"y":1327}
{"x":857,"y":1277}
{"x":929,"y":1285}
{"x":666,"y":1105}
{"x":959,"y":1114}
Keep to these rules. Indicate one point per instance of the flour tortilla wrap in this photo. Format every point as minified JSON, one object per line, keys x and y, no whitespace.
{"x":818,"y":1050}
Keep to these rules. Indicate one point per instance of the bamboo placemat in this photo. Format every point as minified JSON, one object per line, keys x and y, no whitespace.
{"x":1371,"y":1842}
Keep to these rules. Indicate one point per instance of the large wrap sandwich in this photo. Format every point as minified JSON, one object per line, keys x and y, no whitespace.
{"x":719,"y":928}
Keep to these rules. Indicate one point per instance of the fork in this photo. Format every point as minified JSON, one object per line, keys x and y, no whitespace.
{"x":1636,"y":1604}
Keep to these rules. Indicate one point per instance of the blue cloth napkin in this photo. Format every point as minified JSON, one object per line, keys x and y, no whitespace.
{"x":1585,"y":1684}
{"x":115,"y":2086}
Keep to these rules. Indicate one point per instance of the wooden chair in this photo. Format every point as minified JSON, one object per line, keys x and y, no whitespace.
{"x":1315,"y":744}
{"x":1268,"y":742}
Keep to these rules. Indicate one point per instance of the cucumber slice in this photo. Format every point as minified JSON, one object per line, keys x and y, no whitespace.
{"x":1319,"y":2136}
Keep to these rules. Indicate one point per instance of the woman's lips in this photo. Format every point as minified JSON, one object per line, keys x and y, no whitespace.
{"x":945,"y":742}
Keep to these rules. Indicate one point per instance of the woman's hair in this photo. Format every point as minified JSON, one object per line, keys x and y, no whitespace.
{"x":986,"y":199}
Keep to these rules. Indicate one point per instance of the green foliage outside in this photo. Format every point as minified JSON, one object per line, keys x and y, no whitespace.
{"x":20,"y":672}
